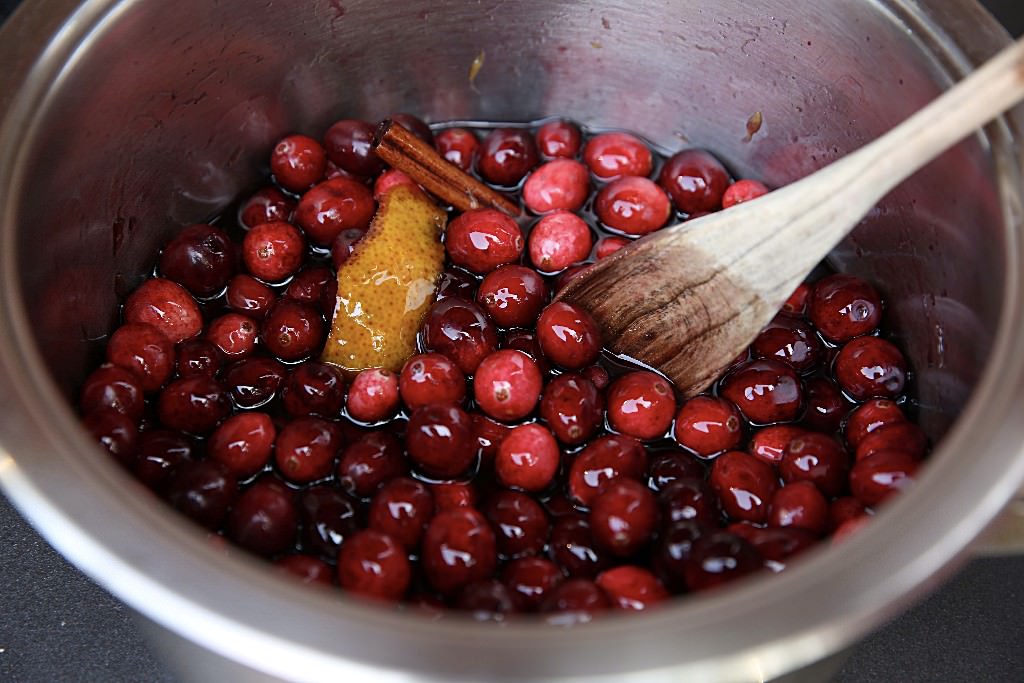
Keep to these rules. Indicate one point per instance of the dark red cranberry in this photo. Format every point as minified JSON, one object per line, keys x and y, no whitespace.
{"x":440,"y":440}
{"x":718,"y":558}
{"x":344,"y":244}
{"x":460,"y":330}
{"x":605,"y":458}
{"x":305,"y":449}
{"x":264,"y":518}
{"x":631,"y":587}
{"x":597,"y":375}
{"x":559,"y":139}
{"x":328,"y":517}
{"x":816,"y":458}
{"x":308,"y":284}
{"x":369,"y":462}
{"x":528,"y":458}
{"x":765,"y":391}
{"x":870,"y":416}
{"x":790,"y":340}
{"x":623,"y":517}
{"x":243,"y":443}
{"x":298,"y":162}
{"x":374,"y":565}
{"x":561,"y":184}
{"x":632,"y":205}
{"x":882,"y":474}
{"x":314,"y":388}
{"x":109,"y":387}
{"x":870,"y":367}
{"x":249,"y":296}
{"x":333,"y":206}
{"x":559,"y":240}
{"x":690,"y":500}
{"x":572,"y":548}
{"x":458,"y":549}
{"x":267,"y":205}
{"x":769,"y":443}
{"x":505,"y":156}
{"x":842,"y":510}
{"x":507,"y":385}
{"x":641,"y":404}
{"x":456,"y":283}
{"x":707,"y":425}
{"x":307,"y":569}
{"x":480,"y":240}
{"x":233,"y":334}
{"x":194,"y":404}
{"x":402,"y":508}
{"x":530,"y":581}
{"x":668,"y":466}
{"x":567,"y":275}
{"x":844,"y":306}
{"x":166,"y":306}
{"x":160,"y":452}
{"x":513,"y":295}
{"x":431,"y":378}
{"x":201,"y":258}
{"x":348,"y":144}
{"x":800,"y":505}
{"x":202,"y":490}
{"x":489,"y":435}
{"x":898,"y":436}
{"x":273,"y":252}
{"x":796,"y":304}
{"x":695,"y":180}
{"x":609,"y":245}
{"x":414,"y":125}
{"x":777,"y":546}
{"x":744,"y":484}
{"x":254,"y":382}
{"x":524,"y":341}
{"x":198,"y":357}
{"x":457,"y":146}
{"x":825,"y":406}
{"x":487,"y":600}
{"x":373,"y":396}
{"x":520,"y":523}
{"x":574,"y":602}
{"x":116,"y":432}
{"x":293,"y":330}
{"x":672,"y":551}
{"x":743,"y":191}
{"x":568,"y":335}
{"x":849,"y":528}
{"x":452,"y":495}
{"x":614,"y":155}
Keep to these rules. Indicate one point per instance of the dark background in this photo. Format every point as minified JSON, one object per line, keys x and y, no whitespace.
{"x":56,"y":625}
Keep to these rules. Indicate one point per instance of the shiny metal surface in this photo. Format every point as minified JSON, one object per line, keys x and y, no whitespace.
{"x":122,"y":121}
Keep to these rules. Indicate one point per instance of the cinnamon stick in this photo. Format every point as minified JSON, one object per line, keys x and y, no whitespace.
{"x":400,"y":149}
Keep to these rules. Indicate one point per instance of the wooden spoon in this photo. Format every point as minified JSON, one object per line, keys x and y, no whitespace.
{"x":689,"y":298}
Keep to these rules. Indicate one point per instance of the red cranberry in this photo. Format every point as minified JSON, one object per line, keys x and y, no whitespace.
{"x":609,"y":245}
{"x":113,"y":388}
{"x":489,"y":435}
{"x":328,"y":518}
{"x":524,"y":341}
{"x":307,"y":569}
{"x":249,"y":296}
{"x":202,"y":490}
{"x":559,"y":139}
{"x":370,"y":461}
{"x":789,"y":340}
{"x":505,"y":156}
{"x":575,"y":602}
{"x":869,"y":367}
{"x":160,"y":451}
{"x":598,"y":375}
{"x":623,"y":517}
{"x":116,"y":432}
{"x":143,"y":350}
{"x":796,"y":304}
{"x":567,"y":275}
{"x":572,"y":548}
{"x":561,"y":184}
{"x":718,"y":558}
{"x":897,"y":436}
{"x":431,"y":378}
{"x":568,"y":335}
{"x":707,"y":425}
{"x":264,"y":519}
{"x":520,"y":524}
{"x":293,"y":330}
{"x":871,"y":416}
{"x":605,"y":458}
{"x":267,"y":205}
{"x":632,"y":205}
{"x":457,"y":146}
{"x":614,"y":155}
{"x":671,"y":465}
{"x":801,"y":505}
{"x":641,"y":404}
{"x":440,"y":439}
{"x":690,"y":499}
{"x":816,"y":458}
{"x":674,"y":546}
{"x":308,"y":284}
{"x":775,"y":545}
{"x":744,"y":484}
{"x":695,"y":180}
{"x":374,"y":565}
{"x":460,"y":330}
{"x":273,"y":251}
{"x":530,"y":580}
{"x":458,"y":549}
{"x":298,"y":162}
{"x":452,"y":495}
{"x":373,"y":396}
{"x":844,"y":306}
{"x":348,"y":144}
{"x":198,"y":357}
{"x":333,"y":206}
{"x":344,"y":244}
{"x":559,"y":240}
{"x":166,"y":306}
{"x":769,"y":443}
{"x":243,"y":443}
{"x":527,"y":458}
{"x":456,"y":283}
{"x":480,"y":240}
{"x":825,"y":407}
{"x":507,"y":385}
{"x":402,"y":508}
{"x":305,"y":449}
{"x":765,"y":391}
{"x":193,"y":404}
{"x":314,"y":388}
{"x":513,"y":295}
{"x":487,"y":600}
{"x":631,"y":587}
{"x":848,"y":528}
{"x":201,"y":258}
{"x":743,"y":191}
{"x":882,"y":474}
{"x":842,"y":510}
{"x":389,"y":180}
{"x":233,"y":334}
{"x":254,"y":382}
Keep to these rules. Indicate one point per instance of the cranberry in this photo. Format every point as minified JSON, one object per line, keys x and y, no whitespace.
{"x":844,"y":306}
{"x":456,"y":283}
{"x":641,"y":404}
{"x":568,"y":335}
{"x":273,"y":251}
{"x":457,"y":146}
{"x":414,"y":125}
{"x":166,"y":306}
{"x":267,"y":205}
{"x":202,"y":490}
{"x":489,"y":435}
{"x":249,"y":296}
{"x":631,"y":587}
{"x":572,"y":548}
{"x":623,"y":517}
{"x":452,"y":495}
{"x":507,"y":385}
{"x":825,"y":405}
{"x":796,"y":304}
{"x":816,"y":458}
{"x":718,"y":558}
{"x":431,"y":378}
{"x":487,"y":600}
{"x":160,"y":451}
{"x":605,"y":458}
{"x":673,"y":549}
{"x":293,"y":330}
{"x":297,"y":162}
{"x":305,"y":449}
{"x":389,"y":180}
{"x":198,"y":357}
{"x":505,"y":156}
{"x":440,"y":439}
{"x":458,"y":549}
{"x":574,"y":602}
{"x":609,"y":245}
{"x":328,"y":518}
{"x":690,"y":499}
{"x":842,"y":510}
{"x":333,"y":206}
{"x":707,"y":425}
{"x":460,"y":330}
{"x":344,"y":244}
{"x":597,"y":375}
{"x":669,"y":466}
{"x":513,"y":295}
{"x":769,"y":443}
{"x":524,"y":341}
{"x":143,"y":350}
{"x":264,"y":519}
{"x":744,"y":484}
{"x":480,"y":240}
{"x":614,"y":155}
{"x":743,"y":191}
{"x":801,"y":505}
{"x":110,"y":387}
{"x":765,"y":391}
{"x":869,"y":367}
{"x":567,"y":275}
{"x":402,"y":508}
{"x":254,"y":382}
{"x":848,"y":528}
{"x":314,"y":388}
{"x":374,"y":565}
{"x":201,"y":258}
{"x":233,"y":334}
{"x":348,"y":144}
{"x":881,"y":474}
{"x":308,"y":284}
{"x":695,"y":180}
{"x":116,"y":432}
{"x":559,"y":240}
{"x":370,"y":461}
{"x":871,"y":416}
{"x":193,"y":404}
{"x":527,"y":458}
{"x":561,"y":184}
{"x":373,"y":396}
{"x":632,"y":205}
{"x":897,"y":436}
{"x":530,"y":580}
{"x":520,"y":524}
{"x":790,"y":340}
{"x":559,"y":139}
{"x":243,"y":443}
{"x":307,"y":569}
{"x":776,"y":545}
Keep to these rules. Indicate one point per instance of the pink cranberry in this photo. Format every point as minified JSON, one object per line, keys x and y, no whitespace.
{"x":568,"y":335}
{"x":707,"y":425}
{"x":348,"y":144}
{"x":718,"y":558}
{"x":143,"y":350}
{"x":796,"y":304}
{"x":641,"y":404}
{"x":166,"y":306}
{"x":671,"y":465}
{"x":233,"y":334}
{"x":160,"y":451}
{"x":632,"y":205}
{"x":374,"y":565}
{"x":198,"y":357}
{"x":193,"y":404}
{"x":695,"y":180}
{"x":572,"y":548}
{"x":744,"y":484}
{"x":201,"y":258}
{"x":293,"y":330}
{"x":333,"y":206}
{"x":623,"y":517}
{"x":202,"y":490}
{"x":307,"y":569}
{"x":458,"y":549}
{"x":870,"y":416}
{"x":690,"y":499}
{"x":559,"y":139}
{"x":897,"y":436}
{"x":344,"y":244}
{"x":817,"y":458}
{"x":825,"y":405}
{"x":440,"y":440}
{"x":298,"y":162}
{"x":487,"y":600}
{"x":605,"y":458}
{"x":116,"y":432}
{"x":631,"y":587}
{"x":431,"y":378}
{"x":305,"y":449}
{"x":249,"y":296}
{"x":267,"y":205}
{"x":561,"y":184}
{"x":328,"y":517}
{"x":264,"y":518}
{"x":765,"y":391}
{"x":507,"y":385}
{"x":768,"y":444}
{"x":882,"y":474}
{"x":614,"y":155}
{"x":530,"y":580}
{"x":505,"y":156}
{"x":373,"y":396}
{"x":800,"y":505}
{"x":110,"y":387}
{"x":520,"y":524}
{"x":273,"y":252}
{"x":243,"y":443}
{"x":609,"y":245}
{"x":790,"y":340}
{"x":314,"y":388}
{"x":402,"y":508}
{"x":480,"y":240}
{"x":369,"y":462}
{"x":460,"y":330}
{"x":457,"y":146}
{"x":513,"y":295}
{"x":528,"y":458}
{"x":559,"y":240}
{"x":452,"y":495}
{"x":844,"y":306}
{"x":254,"y":382}
{"x":743,"y":191}
{"x":870,"y":367}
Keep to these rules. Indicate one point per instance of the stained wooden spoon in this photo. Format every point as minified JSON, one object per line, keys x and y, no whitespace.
{"x":689,"y":298}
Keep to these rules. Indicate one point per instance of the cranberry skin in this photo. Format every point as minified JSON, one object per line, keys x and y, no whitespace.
{"x":632,"y":588}
{"x":690,"y":499}
{"x":293,"y":330}
{"x":456,"y":283}
{"x":605,"y":458}
{"x":568,"y":275}
{"x":198,"y":357}
{"x":524,"y":341}
{"x":672,"y":552}
{"x":440,"y":440}
{"x":559,"y":240}
{"x":389,"y":180}
{"x":243,"y":443}
{"x":527,"y":458}
{"x":575,"y":601}
{"x":453,"y":495}
{"x":598,"y":375}
{"x":458,"y":549}
{"x":513,"y":295}
{"x":816,"y":458}
{"x":572,"y":548}
{"x":718,"y":558}
{"x":609,"y":245}
{"x":373,"y":396}
{"x":561,"y":184}
{"x":402,"y":508}
{"x":489,"y":435}
{"x":297,"y":162}
{"x":202,"y":490}
{"x":264,"y":518}
{"x":160,"y":452}
{"x":765,"y":391}
{"x":116,"y":432}
{"x":899,"y":436}
{"x":314,"y":388}
{"x":201,"y":258}
{"x":374,"y":565}
{"x":113,"y":388}
{"x":568,"y":335}
{"x":486,"y":600}
{"x":431,"y":378}
{"x":507,"y":385}
{"x":344,"y":244}
{"x":457,"y":146}
{"x":848,"y":528}
{"x":843,"y":307}
{"x":333,"y":206}
{"x":480,"y":240}
{"x":707,"y":425}
{"x":194,"y":405}
{"x":328,"y":517}
{"x":790,"y":340}
{"x":870,"y":416}
{"x":530,"y":581}
{"x":825,"y":405}
{"x":520,"y":524}
{"x":559,"y":139}
{"x":614,"y":155}
{"x":460,"y":330}
{"x":777,"y":546}
{"x":743,"y":191}
{"x":267,"y":205}
{"x":233,"y":334}
{"x":166,"y":306}
{"x":348,"y":144}
{"x":796,"y":304}
{"x":641,"y":404}
{"x":669,"y":466}
{"x":254,"y":382}
{"x":842,"y":510}
{"x":369,"y":462}
{"x":695,"y":180}
{"x":800,"y":505}
{"x":308,"y":284}
{"x":307,"y":569}
{"x":505,"y":156}
{"x":623,"y":517}
{"x":869,"y":367}
{"x":632,"y":205}
{"x":305,"y":449}
{"x":882,"y":474}
{"x":769,"y":443}
{"x":273,"y":252}
{"x":744,"y":484}
{"x":248,"y":296}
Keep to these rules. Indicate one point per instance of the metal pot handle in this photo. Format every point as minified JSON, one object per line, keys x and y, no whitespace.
{"x":1006,"y":534}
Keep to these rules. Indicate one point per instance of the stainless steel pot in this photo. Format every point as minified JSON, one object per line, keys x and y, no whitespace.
{"x":123,"y":120}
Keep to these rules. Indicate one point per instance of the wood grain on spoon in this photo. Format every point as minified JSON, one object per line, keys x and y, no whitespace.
{"x":689,"y":298}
